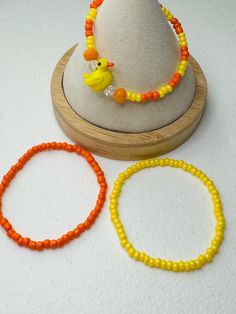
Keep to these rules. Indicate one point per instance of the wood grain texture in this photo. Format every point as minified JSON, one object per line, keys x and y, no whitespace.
{"x":126,"y":146}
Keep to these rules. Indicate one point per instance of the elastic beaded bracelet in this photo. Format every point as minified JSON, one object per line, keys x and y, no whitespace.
{"x":66,"y":238}
{"x":178,"y":266}
{"x":101,"y":78}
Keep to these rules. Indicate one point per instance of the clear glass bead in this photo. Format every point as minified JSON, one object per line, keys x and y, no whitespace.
{"x":109,"y":91}
{"x":92,"y":65}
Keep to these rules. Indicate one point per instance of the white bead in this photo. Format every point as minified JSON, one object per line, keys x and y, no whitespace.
{"x":92,"y":65}
{"x":109,"y":91}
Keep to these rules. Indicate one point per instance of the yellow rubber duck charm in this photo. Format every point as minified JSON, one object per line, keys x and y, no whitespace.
{"x":101,"y":78}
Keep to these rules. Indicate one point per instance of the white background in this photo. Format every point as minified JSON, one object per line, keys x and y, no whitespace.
{"x":166,"y":212}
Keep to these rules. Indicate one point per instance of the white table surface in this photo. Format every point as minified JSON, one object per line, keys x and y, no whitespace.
{"x":166,"y":212}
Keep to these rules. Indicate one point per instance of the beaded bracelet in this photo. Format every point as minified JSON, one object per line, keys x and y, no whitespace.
{"x":101,"y":78}
{"x":66,"y":238}
{"x":157,"y":262}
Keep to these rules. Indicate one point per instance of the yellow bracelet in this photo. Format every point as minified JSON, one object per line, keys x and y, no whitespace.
{"x":178,"y":266}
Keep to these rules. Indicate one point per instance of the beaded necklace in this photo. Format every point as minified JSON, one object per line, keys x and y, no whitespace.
{"x":101,"y":78}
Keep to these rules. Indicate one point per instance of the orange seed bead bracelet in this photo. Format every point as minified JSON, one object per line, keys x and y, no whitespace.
{"x":100,"y":80}
{"x":69,"y":236}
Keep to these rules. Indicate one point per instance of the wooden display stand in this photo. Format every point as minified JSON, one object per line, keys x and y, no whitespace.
{"x":126,"y":146}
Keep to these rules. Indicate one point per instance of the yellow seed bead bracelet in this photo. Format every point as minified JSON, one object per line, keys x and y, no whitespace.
{"x":176,"y":266}
{"x":100,"y":79}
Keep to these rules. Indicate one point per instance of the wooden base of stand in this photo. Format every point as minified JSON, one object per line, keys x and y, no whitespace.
{"x":126,"y":146}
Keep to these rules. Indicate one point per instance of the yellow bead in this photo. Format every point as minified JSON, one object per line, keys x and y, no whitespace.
{"x":146,"y":260}
{"x":128,"y":95}
{"x":169,"y":88}
{"x":181,"y":72}
{"x":128,"y":246}
{"x":202,"y":259}
{"x":169,"y":265}
{"x":124,"y":243}
{"x":123,"y":237}
{"x":176,"y":267}
{"x":158,"y":262}
{"x":186,"y":266}
{"x":133,"y":97}
{"x":138,"y":98}
{"x":181,"y":266}
{"x":163,"y":265}
{"x":142,"y":257}
{"x":151,"y":262}
{"x":136,"y":255}
{"x":192,"y":265}
{"x":184,"y":43}
{"x":198,"y":264}
{"x":90,"y":46}
{"x":170,"y":17}
{"x":209,"y":257}
{"x":131,"y":252}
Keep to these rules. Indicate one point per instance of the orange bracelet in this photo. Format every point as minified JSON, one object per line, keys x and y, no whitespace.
{"x":66,"y":238}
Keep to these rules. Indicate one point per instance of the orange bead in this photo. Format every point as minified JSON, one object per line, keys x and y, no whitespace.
{"x":174,"y":20}
{"x":39,"y":246}
{"x":32,"y":245}
{"x":70,"y":235}
{"x":20,"y":241}
{"x":76,"y":232}
{"x":7,"y":226}
{"x":89,"y":21}
{"x":184,"y":48}
{"x":120,"y":95}
{"x":26,"y":242}
{"x":81,"y":227}
{"x":91,"y":54}
{"x":60,"y":242}
{"x":150,"y":95}
{"x":172,"y":84}
{"x":53,"y":244}
{"x":10,"y":233}
{"x":156,"y":95}
{"x":144,"y":98}
{"x":93,"y":6}
{"x":88,"y":27}
{"x":15,"y":236}
{"x":46,"y":244}
{"x":65,"y":238}
{"x":98,"y":2}
{"x":89,"y":33}
{"x":179,"y":30}
{"x":87,"y":224}
{"x":4,"y":221}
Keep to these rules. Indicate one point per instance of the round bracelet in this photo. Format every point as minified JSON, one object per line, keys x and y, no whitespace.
{"x":101,"y":78}
{"x":201,"y":260}
{"x":66,"y":238}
